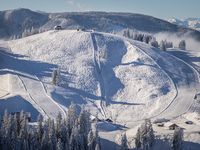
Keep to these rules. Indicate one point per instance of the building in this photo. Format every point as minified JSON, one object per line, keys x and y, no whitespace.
{"x":57,"y":28}
{"x":170,"y":125}
{"x":160,"y":124}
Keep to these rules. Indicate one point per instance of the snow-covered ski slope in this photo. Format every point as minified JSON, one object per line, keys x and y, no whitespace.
{"x":115,"y":77}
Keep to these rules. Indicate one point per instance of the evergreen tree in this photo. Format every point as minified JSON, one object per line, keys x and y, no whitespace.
{"x":145,"y":136}
{"x":40,"y":128}
{"x":56,"y":76}
{"x":23,"y":136}
{"x":154,"y":44}
{"x":75,"y":139}
{"x":45,"y":140}
{"x":98,"y":146}
{"x":52,"y":135}
{"x":59,"y":145}
{"x":177,"y":139}
{"x":15,"y":133}
{"x":124,"y":145}
{"x":64,"y":136}
{"x":182,"y":45}
{"x":71,"y":118}
{"x":91,"y":141}
{"x":137,"y":139}
{"x":6,"y":131}
{"x":85,"y":126}
{"x":162,"y":45}
{"x":58,"y":125}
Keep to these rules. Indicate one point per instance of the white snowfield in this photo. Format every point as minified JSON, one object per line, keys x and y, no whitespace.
{"x":117,"y":78}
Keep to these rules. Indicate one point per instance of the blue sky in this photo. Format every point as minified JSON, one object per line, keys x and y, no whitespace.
{"x":159,"y":8}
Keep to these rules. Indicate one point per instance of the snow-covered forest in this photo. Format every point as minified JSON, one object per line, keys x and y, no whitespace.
{"x":74,"y":133}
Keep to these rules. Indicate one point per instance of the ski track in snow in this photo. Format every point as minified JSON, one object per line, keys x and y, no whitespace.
{"x":181,"y":104}
{"x":195,"y":72}
{"x":43,"y":112}
{"x":177,"y":105}
{"x":98,"y":70}
{"x":173,"y":99}
{"x":172,"y":82}
{"x":46,"y":93}
{"x":39,"y":97}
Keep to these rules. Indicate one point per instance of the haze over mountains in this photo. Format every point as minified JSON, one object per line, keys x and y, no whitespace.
{"x":14,"y":22}
{"x":193,"y":23}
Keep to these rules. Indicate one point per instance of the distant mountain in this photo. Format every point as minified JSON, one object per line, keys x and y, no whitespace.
{"x":193,"y":23}
{"x":15,"y":22}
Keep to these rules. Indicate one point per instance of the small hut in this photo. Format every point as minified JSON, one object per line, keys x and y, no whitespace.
{"x":57,"y":28}
{"x":108,"y":120}
{"x":171,"y":126}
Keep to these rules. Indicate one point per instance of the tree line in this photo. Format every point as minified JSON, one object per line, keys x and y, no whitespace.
{"x":73,"y":133}
{"x":151,"y":40}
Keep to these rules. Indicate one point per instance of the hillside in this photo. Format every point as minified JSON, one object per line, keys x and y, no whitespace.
{"x":110,"y":75}
{"x":15,"y":22}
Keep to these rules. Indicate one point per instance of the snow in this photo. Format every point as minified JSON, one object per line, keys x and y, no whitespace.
{"x":193,"y":23}
{"x":104,"y":70}
{"x":114,"y":77}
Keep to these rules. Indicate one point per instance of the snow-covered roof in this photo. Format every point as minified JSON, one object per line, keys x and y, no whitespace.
{"x":168,"y":124}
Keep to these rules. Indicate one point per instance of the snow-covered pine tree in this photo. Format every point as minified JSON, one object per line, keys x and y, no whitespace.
{"x":52,"y":135}
{"x":59,"y":145}
{"x":154,"y":43}
{"x":137,"y":139}
{"x":23,"y":135}
{"x":97,"y":138}
{"x":58,"y":125}
{"x":182,"y":45}
{"x":162,"y":45}
{"x":94,"y":139}
{"x":150,"y":133}
{"x":45,"y":139}
{"x":128,"y":33}
{"x":145,"y":136}
{"x":85,"y":126}
{"x":98,"y":146}
{"x":177,"y":139}
{"x":71,"y":118}
{"x":84,"y":121}
{"x":124,"y":142}
{"x":168,"y":44}
{"x":56,"y":76}
{"x":75,"y":142}
{"x":147,"y":38}
{"x":6,"y":131}
{"x":64,"y":136}
{"x":14,"y":133}
{"x":40,"y":130}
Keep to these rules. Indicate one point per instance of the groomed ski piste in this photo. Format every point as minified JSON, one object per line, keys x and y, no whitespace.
{"x":117,"y":78}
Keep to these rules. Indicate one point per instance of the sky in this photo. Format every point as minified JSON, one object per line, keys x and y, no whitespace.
{"x":164,"y":9}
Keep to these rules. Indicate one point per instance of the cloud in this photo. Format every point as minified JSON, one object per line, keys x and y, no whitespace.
{"x":191,"y":43}
{"x":77,"y":5}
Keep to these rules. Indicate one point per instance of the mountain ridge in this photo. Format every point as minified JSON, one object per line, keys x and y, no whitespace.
{"x":193,"y":23}
{"x":101,"y":21}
